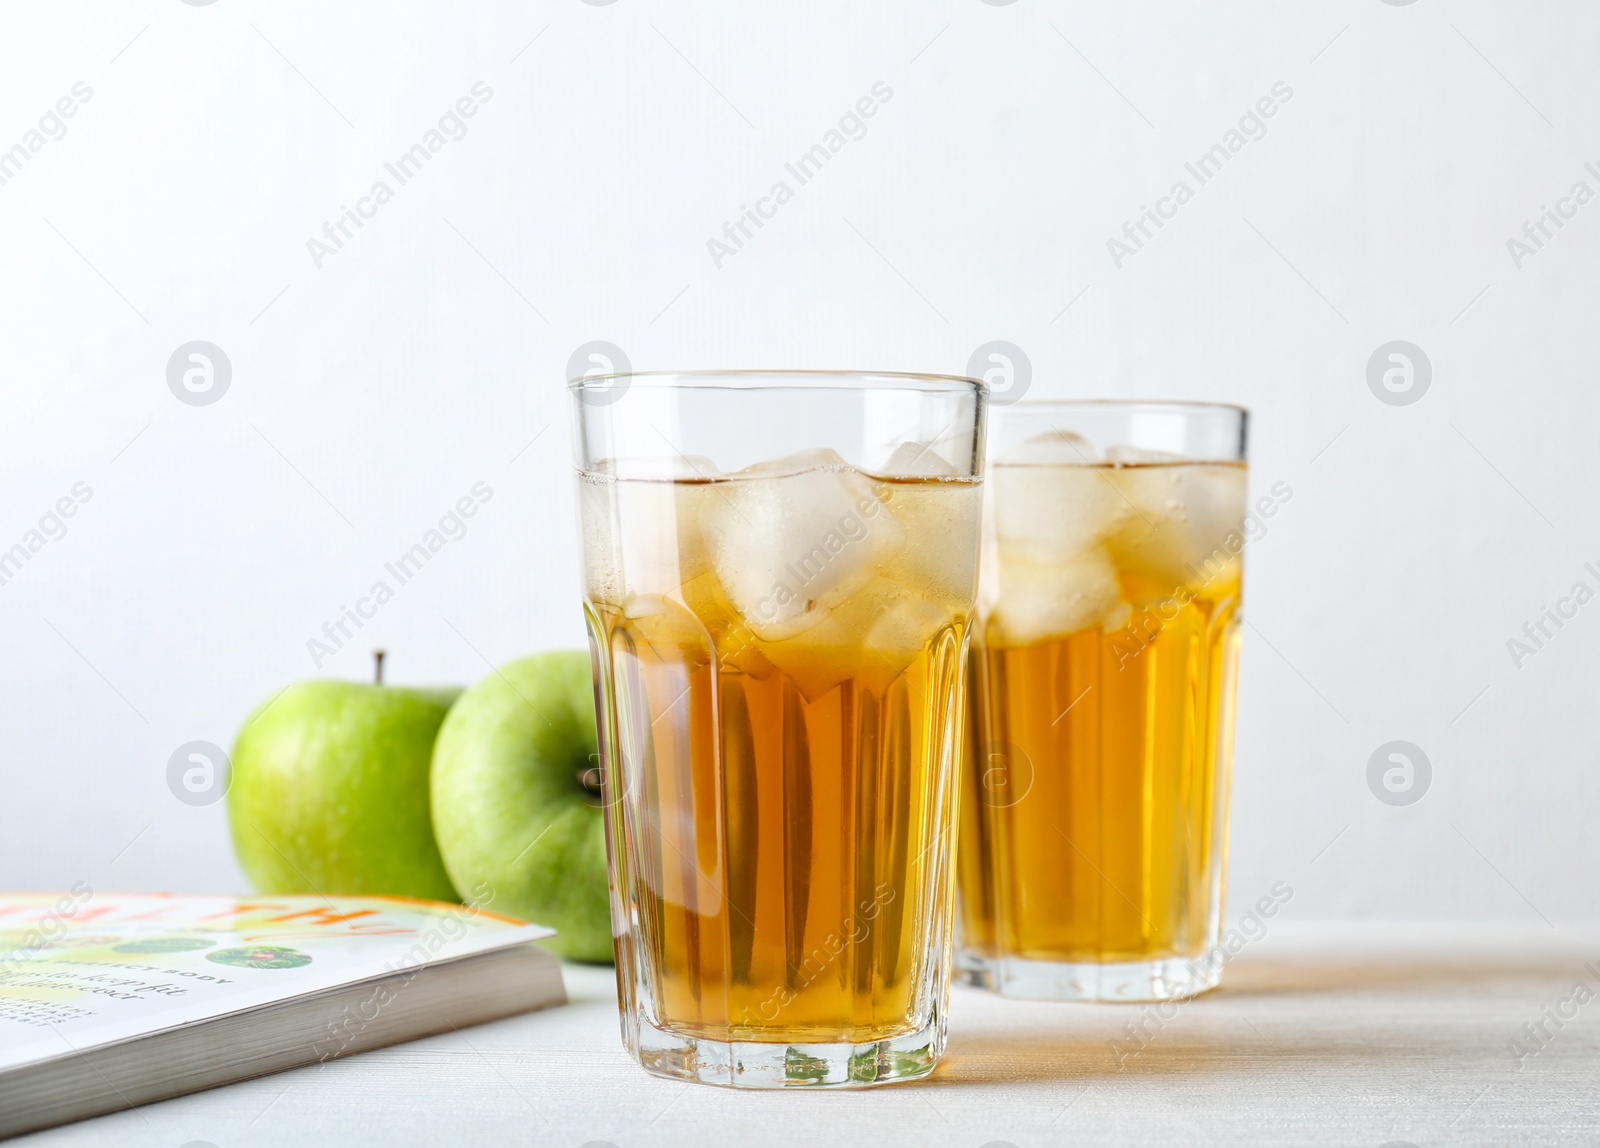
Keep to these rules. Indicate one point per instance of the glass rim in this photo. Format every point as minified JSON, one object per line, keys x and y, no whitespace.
{"x":1176,"y":405}
{"x":771,"y":379}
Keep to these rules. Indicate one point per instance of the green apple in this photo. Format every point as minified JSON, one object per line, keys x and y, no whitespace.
{"x":516,"y":807}
{"x":330,"y":791}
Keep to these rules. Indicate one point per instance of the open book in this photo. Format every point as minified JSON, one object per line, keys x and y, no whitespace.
{"x":111,"y":1001}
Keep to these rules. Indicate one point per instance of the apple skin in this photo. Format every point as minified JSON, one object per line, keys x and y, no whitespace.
{"x":329,"y":792}
{"x":518,"y":829}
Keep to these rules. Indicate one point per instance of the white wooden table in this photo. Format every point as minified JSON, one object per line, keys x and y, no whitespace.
{"x":1349,"y":1034}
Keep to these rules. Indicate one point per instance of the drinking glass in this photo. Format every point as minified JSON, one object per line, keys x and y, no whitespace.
{"x":779,"y":575}
{"x":1103,"y":671}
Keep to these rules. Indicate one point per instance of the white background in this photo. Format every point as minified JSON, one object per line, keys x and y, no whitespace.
{"x":370,"y":394}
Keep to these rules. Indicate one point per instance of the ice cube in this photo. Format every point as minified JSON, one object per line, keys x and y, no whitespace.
{"x":801,"y":461}
{"x":1050,"y":513}
{"x":640,"y":536}
{"x":736,"y":646}
{"x":644,"y":606}
{"x":940,"y":555}
{"x":871,"y":637}
{"x":602,"y":555}
{"x":1123,"y":455}
{"x":793,"y":537}
{"x":1052,"y":448}
{"x":915,"y":460}
{"x":1189,"y":525}
{"x":817,"y":659}
{"x":901,"y":632}
{"x":658,"y":630}
{"x":658,"y":468}
{"x":648,"y":531}
{"x":1037,"y":600}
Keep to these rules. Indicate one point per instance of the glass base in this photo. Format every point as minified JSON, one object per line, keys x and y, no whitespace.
{"x":762,"y":1064}
{"x":1164,"y":979}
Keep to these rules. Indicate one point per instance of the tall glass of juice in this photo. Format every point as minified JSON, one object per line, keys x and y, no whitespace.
{"x":1103,"y":670}
{"x":779,"y":576}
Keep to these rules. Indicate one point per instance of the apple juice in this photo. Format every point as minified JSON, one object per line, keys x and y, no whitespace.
{"x":783,"y":651}
{"x":1094,"y":832}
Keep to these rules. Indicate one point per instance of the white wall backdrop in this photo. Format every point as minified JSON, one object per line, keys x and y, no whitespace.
{"x":373,"y":384}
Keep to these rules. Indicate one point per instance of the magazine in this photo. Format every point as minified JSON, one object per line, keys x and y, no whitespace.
{"x":111,"y":1001}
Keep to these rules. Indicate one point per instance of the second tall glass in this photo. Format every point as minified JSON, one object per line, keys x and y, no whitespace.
{"x":1094,"y":816}
{"x":780,"y":570}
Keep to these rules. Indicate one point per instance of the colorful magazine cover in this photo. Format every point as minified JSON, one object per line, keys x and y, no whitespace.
{"x":80,"y":969}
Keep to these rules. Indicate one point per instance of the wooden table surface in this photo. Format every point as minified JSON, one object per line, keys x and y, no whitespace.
{"x":1338,"y":1034}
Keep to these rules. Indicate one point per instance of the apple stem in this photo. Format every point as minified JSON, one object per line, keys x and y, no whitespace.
{"x":591,"y":778}
{"x":377,"y":667}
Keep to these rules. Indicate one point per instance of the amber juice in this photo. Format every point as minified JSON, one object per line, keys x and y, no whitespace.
{"x":783,"y":653}
{"x":1093,"y":831}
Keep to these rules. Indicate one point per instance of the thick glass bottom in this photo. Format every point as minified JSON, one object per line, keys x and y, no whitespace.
{"x":1162,"y":979}
{"x":779,"y":1064}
